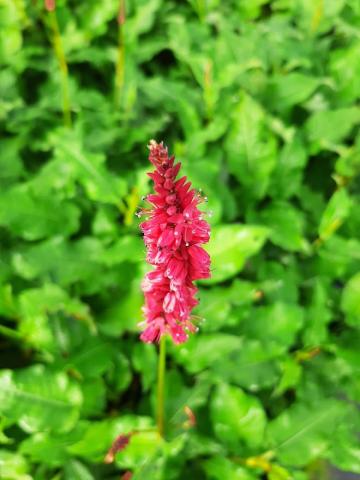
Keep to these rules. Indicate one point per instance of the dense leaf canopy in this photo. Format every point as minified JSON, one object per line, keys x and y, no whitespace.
{"x":259,"y":100}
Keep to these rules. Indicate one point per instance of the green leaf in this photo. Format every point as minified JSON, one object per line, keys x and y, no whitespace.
{"x":291,"y":372}
{"x":39,"y":399}
{"x":288,"y":173}
{"x":250,"y":11}
{"x":144,"y":359}
{"x":121,"y":375}
{"x":202,"y":351}
{"x":318,"y":315}
{"x":143,"y":19}
{"x":98,"y":436}
{"x":219,"y":468}
{"x":35,"y":307}
{"x":10,"y":162}
{"x":216,"y":304}
{"x":237,"y":417}
{"x":345,"y":451}
{"x":350,"y":304}
{"x":100,"y":185}
{"x":178,"y":396}
{"x":62,"y":261}
{"x":329,"y":127}
{"x":251,"y":147}
{"x":335,"y":213}
{"x":214,"y":309}
{"x":94,"y":397}
{"x":345,"y":67}
{"x":34,"y":217}
{"x":279,"y":282}
{"x":291,"y":89}
{"x":338,"y":256}
{"x":75,"y":470}
{"x":10,"y":35}
{"x":230,"y":246}
{"x":82,"y":360}
{"x":304,"y":428}
{"x":177,"y":98}
{"x":279,"y":473}
{"x":276,"y":326}
{"x":140,"y":450}
{"x":93,"y":21}
{"x":125,"y":314}
{"x":50,"y":448}
{"x":127,"y":248}
{"x":13,"y":466}
{"x":8,"y":308}
{"x":251,"y":367}
{"x":286,"y":224}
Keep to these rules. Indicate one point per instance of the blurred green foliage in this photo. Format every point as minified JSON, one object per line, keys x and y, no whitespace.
{"x":259,"y":99}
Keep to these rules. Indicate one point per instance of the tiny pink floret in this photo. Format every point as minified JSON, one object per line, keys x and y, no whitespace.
{"x":173,"y":235}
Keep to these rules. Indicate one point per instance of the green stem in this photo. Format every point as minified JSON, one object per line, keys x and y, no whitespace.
{"x":60,"y":55}
{"x":160,"y":400}
{"x":120,"y":61}
{"x":10,"y":333}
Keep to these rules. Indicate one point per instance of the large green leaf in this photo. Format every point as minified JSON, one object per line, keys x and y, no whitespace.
{"x":62,"y":261}
{"x":287,"y":176}
{"x":276,"y":326}
{"x":13,"y":466}
{"x":350,"y":300}
{"x":230,"y":246}
{"x":345,"y":451}
{"x":328,"y":127}
{"x":205,"y":350}
{"x":251,"y":367}
{"x":98,"y":436}
{"x":33,"y":217}
{"x":251,"y":147}
{"x":291,"y":89}
{"x":317,"y":317}
{"x":335,"y":213}
{"x":99,"y":183}
{"x":10,"y":36}
{"x":286,"y":225}
{"x":36,"y":306}
{"x":145,"y":361}
{"x":218,"y":468}
{"x":237,"y":416}
{"x":305,"y":428}
{"x":75,"y":470}
{"x":39,"y":399}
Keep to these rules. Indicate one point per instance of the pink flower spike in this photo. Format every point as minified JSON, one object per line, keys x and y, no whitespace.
{"x":50,"y":5}
{"x":173,"y":234}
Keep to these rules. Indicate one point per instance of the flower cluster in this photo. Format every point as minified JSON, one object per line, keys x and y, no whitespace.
{"x":173,"y":233}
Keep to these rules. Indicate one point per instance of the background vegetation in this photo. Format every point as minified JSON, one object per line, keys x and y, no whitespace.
{"x":260,"y":101}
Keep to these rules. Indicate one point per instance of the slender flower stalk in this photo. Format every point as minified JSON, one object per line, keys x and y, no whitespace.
{"x":120,"y":60}
{"x":160,"y":397}
{"x":173,"y":234}
{"x":50,"y":6}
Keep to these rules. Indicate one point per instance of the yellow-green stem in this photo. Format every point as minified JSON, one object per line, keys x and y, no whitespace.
{"x":120,"y":61}
{"x":60,"y":55}
{"x":160,"y":397}
{"x":10,"y":333}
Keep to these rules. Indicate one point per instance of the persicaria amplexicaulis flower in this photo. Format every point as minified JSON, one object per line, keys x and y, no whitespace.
{"x":173,"y":233}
